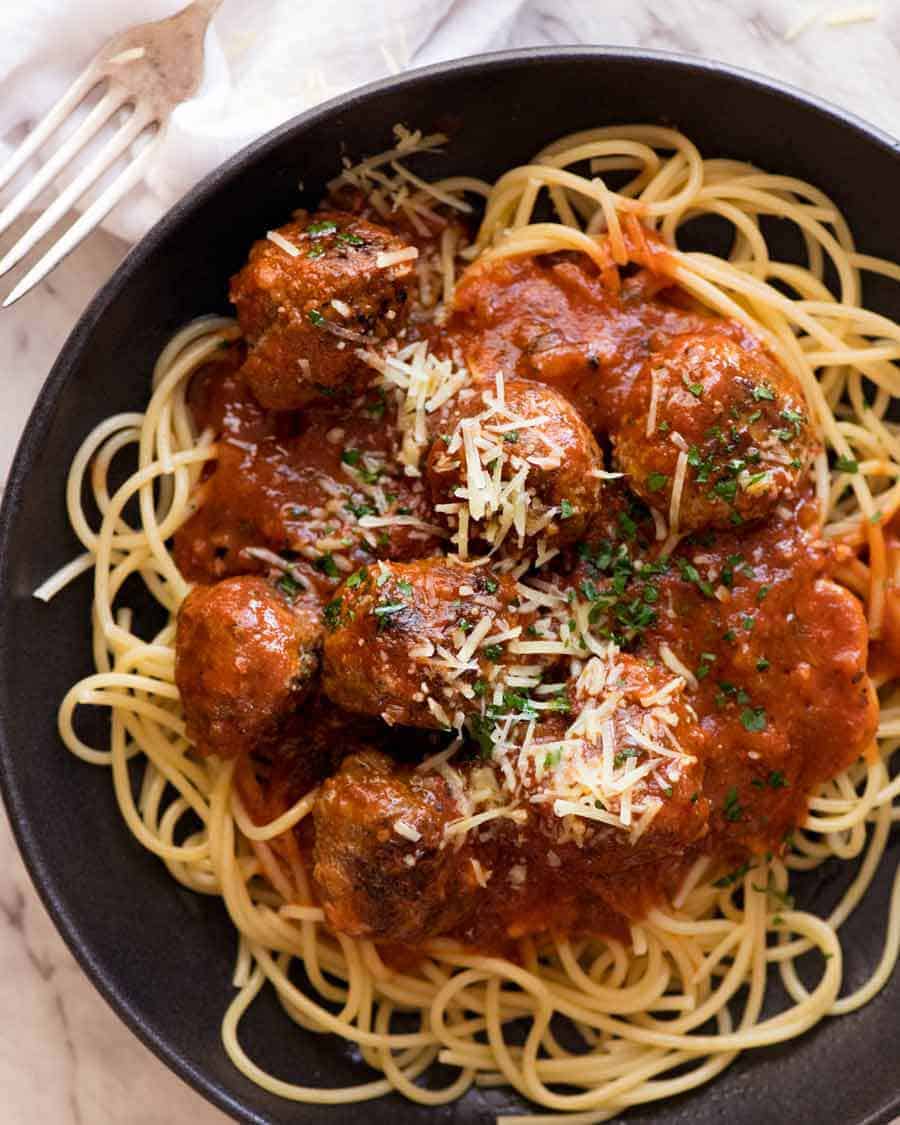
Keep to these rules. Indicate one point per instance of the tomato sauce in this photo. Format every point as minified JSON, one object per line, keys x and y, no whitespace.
{"x":775,"y":648}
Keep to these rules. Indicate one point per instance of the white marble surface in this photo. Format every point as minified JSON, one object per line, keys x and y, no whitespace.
{"x":64,"y":1057}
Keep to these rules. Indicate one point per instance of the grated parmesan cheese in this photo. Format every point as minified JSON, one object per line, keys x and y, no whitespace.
{"x":282,"y":243}
{"x":407,"y":831}
{"x":388,"y":258}
{"x":677,"y":490}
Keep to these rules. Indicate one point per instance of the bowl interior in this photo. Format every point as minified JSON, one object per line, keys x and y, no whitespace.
{"x":164,"y":956}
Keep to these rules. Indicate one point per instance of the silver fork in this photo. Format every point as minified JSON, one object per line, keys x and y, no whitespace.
{"x":150,"y":68}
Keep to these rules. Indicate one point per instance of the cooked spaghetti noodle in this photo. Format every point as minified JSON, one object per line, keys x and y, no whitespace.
{"x":671,"y":1009}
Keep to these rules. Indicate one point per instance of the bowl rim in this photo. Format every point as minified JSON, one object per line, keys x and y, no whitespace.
{"x":28,"y":448}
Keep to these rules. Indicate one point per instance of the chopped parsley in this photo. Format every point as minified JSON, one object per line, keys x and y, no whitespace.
{"x":560,"y":703}
{"x":482,"y":730}
{"x":625,"y":605}
{"x":377,"y":408}
{"x":762,"y":665}
{"x":707,"y":659}
{"x":332,"y":615}
{"x":326,"y":226}
{"x":754,"y":718}
{"x":385,"y":611}
{"x":315,"y":317}
{"x":846,"y":465}
{"x":492,"y":653}
{"x":512,"y":436}
{"x":315,"y":252}
{"x":763,"y":393}
{"x":725,"y":490}
{"x":656,"y":482}
{"x":566,"y":511}
{"x":515,"y":701}
{"x":795,"y":418}
{"x":690,"y":574}
{"x":732,"y":808}
{"x":327,"y":566}
{"x":728,"y":570}
{"x":350,"y":239}
{"x":703,"y":467}
{"x":289,"y":586}
{"x":627,"y":525}
{"x":696,"y":389}
{"x":357,"y":578}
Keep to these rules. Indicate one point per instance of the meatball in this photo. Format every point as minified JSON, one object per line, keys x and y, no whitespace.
{"x":477,"y":847}
{"x":655,"y":739}
{"x":413,"y":642}
{"x":305,"y":315}
{"x":720,"y":426}
{"x":381,"y":866}
{"x":244,"y":660}
{"x":532,"y":441}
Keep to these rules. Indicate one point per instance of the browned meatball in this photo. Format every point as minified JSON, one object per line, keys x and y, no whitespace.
{"x":244,"y":660}
{"x":530,"y":835}
{"x":540,"y":443}
{"x":381,"y":866}
{"x":636,"y":710}
{"x":734,"y":420}
{"x":398,"y":637}
{"x":305,"y":315}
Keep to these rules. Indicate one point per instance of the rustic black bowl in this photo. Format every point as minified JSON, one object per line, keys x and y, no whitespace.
{"x":162,"y":956}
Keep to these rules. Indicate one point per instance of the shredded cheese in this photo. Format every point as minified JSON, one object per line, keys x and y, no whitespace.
{"x":681,"y":467}
{"x":387,"y":258}
{"x":675,"y":665}
{"x":282,"y":243}
{"x":407,"y":831}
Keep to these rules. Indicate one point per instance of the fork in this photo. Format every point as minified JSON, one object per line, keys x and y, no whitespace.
{"x":141,"y":74}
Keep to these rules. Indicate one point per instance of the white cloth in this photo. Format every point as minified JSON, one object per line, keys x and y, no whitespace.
{"x":265,"y":61}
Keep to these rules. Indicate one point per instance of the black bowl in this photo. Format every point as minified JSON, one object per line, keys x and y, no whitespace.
{"x":163,"y":956}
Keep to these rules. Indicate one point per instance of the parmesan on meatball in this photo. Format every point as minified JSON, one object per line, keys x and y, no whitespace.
{"x":538,"y":463}
{"x":713,"y":434}
{"x":310,"y":296}
{"x":415,"y":642}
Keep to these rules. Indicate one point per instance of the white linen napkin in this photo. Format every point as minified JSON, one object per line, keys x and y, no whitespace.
{"x":265,"y":61}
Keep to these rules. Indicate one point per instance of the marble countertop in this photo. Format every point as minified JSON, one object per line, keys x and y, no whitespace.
{"x":65,"y":1058}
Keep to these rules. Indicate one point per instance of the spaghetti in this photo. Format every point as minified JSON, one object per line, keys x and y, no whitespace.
{"x":667,"y":1012}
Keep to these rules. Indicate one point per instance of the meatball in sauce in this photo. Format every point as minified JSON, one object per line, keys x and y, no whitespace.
{"x":309,"y":296}
{"x":587,"y":636}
